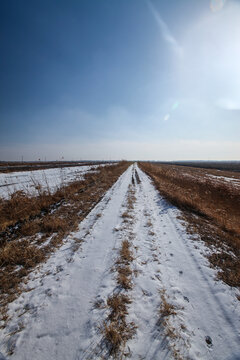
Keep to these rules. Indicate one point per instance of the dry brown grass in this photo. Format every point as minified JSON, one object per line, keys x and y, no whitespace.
{"x":190,"y":189}
{"x":125,"y":252}
{"x":124,"y":272}
{"x":211,"y":208}
{"x":30,"y":228}
{"x":224,"y":245}
{"x":230,"y":272}
{"x":116,"y":335}
{"x":118,"y":305}
{"x":124,"y":281}
{"x":53,"y":223}
{"x":127,"y":217}
{"x":16,"y":260}
{"x":166,"y":309}
{"x":124,"y":269}
{"x":21,"y":207}
{"x":131,"y":199}
{"x":113,"y":335}
{"x":21,"y":253}
{"x":116,"y":330}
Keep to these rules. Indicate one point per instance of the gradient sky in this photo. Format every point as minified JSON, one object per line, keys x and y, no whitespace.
{"x":114,"y":79}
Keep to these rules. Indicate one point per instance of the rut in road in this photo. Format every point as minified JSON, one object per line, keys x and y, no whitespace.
{"x":65,"y":312}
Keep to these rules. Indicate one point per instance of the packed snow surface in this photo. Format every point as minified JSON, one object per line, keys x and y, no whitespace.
{"x":57,"y":319}
{"x":48,"y":179}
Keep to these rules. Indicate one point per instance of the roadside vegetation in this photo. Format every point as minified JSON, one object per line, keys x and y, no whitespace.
{"x":116,"y":330}
{"x":167,"y":312}
{"x":210,"y":207}
{"x":31,"y":227}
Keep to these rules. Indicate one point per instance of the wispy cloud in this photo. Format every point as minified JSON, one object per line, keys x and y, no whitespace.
{"x":166,"y":33}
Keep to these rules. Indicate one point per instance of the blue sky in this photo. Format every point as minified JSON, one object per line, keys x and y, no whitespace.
{"x":113,"y":79}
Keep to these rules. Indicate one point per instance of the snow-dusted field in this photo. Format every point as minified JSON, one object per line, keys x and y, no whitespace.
{"x":57,"y":320}
{"x":219,"y":179}
{"x":231,"y":180}
{"x":47,"y":179}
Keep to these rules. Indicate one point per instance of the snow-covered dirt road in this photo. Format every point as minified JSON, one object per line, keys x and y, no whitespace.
{"x":178,"y":308}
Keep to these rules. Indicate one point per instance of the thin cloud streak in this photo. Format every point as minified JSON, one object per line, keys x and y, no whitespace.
{"x":166,"y":33}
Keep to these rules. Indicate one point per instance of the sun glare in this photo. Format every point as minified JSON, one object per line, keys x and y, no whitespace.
{"x":217,"y":5}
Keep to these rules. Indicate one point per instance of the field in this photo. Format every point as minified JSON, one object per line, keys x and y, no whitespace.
{"x":117,"y":261}
{"x":49,"y":179}
{"x":214,"y":165}
{"x":13,"y":166}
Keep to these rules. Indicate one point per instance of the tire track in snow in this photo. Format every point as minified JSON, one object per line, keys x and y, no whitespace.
{"x":150,"y":342}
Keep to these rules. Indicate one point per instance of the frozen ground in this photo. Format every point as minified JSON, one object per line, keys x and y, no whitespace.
{"x":57,"y":319}
{"x":48,"y":179}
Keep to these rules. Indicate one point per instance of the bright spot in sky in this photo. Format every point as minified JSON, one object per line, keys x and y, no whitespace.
{"x":166,"y":117}
{"x":175,"y":106}
{"x":217,"y":5}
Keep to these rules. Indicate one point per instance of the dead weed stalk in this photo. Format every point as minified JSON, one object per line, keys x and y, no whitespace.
{"x":166,"y":311}
{"x":116,"y":330}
